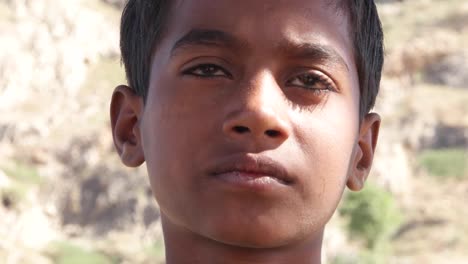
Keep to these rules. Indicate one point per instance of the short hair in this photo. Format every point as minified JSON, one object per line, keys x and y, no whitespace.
{"x":143,"y":23}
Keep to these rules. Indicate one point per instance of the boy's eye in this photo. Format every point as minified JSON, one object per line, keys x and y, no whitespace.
{"x":207,"y":71}
{"x":311,"y":81}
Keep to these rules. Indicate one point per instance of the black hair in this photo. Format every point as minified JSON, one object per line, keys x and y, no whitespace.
{"x":141,"y":28}
{"x":366,"y":30}
{"x":143,"y":22}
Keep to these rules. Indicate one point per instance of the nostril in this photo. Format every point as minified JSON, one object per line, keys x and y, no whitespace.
{"x":272,"y":133}
{"x":241,"y":129}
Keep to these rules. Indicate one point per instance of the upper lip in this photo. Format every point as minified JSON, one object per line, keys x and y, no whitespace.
{"x":253,"y":164}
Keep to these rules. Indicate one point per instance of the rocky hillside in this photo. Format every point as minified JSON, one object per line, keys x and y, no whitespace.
{"x":65,"y":198}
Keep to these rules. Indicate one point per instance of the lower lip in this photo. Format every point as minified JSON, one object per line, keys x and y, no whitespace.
{"x":252,"y":181}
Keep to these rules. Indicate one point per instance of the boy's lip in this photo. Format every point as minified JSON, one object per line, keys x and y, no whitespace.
{"x":254,"y":166}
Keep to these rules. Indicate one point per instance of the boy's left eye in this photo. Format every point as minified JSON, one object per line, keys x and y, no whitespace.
{"x":311,"y":81}
{"x":207,"y":71}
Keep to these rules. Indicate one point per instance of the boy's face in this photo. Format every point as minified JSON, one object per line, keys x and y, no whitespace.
{"x":251,"y":126}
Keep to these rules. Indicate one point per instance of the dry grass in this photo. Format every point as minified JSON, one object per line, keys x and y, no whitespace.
{"x":408,"y":20}
{"x":448,"y":105}
{"x":436,"y":224}
{"x":5,"y":11}
{"x":105,"y":10}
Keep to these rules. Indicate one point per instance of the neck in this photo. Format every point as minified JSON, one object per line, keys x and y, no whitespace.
{"x":184,"y":246}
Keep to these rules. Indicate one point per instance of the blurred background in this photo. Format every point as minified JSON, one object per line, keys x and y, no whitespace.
{"x":65,"y":197}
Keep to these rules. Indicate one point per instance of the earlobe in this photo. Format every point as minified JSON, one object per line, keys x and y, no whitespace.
{"x":364,"y":151}
{"x":125,"y":112}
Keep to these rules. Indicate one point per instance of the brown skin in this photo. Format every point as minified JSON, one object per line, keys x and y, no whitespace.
{"x":262,"y":100}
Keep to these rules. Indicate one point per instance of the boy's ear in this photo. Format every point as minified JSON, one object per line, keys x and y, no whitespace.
{"x":126,"y":109}
{"x":364,"y":151}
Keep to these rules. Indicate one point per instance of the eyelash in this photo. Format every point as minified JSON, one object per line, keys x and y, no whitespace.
{"x":215,"y":68}
{"x":316,"y":78}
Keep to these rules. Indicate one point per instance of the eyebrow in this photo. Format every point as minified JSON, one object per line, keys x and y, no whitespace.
{"x":207,"y":37}
{"x":313,"y":52}
{"x":302,"y":50}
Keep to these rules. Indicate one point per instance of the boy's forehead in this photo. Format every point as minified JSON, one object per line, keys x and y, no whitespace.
{"x":221,"y":8}
{"x":294,"y":18}
{"x":266,"y":21}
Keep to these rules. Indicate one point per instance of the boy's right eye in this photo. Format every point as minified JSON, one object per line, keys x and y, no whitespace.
{"x":207,"y":71}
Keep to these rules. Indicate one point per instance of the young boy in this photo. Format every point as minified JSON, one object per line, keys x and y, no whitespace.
{"x":252,"y":117}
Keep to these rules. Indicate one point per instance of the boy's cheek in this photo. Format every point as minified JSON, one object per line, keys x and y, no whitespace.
{"x":327,"y":147}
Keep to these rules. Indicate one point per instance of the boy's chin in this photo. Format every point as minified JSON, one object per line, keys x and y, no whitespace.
{"x":258,"y":236}
{"x":256,"y":242}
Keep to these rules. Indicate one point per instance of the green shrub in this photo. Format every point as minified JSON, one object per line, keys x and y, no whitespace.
{"x":445,"y":162}
{"x":344,"y":259}
{"x":68,"y":253}
{"x":22,"y":172}
{"x":23,"y":178}
{"x":156,"y":251}
{"x":372,"y":216}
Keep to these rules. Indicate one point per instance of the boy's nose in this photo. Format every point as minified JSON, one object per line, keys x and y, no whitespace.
{"x":260,"y":115}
